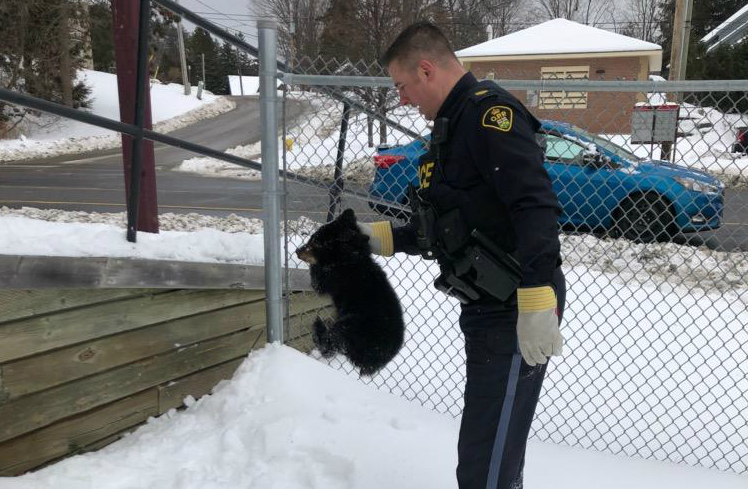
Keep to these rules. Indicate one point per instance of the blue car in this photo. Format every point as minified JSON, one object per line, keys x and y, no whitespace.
{"x":602,"y":187}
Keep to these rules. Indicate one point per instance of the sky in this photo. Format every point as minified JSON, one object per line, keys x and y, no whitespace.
{"x":234,"y":14}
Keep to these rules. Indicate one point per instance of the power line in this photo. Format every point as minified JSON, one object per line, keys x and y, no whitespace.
{"x":250,"y":17}
{"x":622,"y":22}
{"x":227,"y":18}
{"x":230,"y":29}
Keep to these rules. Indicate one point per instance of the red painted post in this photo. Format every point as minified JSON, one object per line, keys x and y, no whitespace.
{"x":126,"y":53}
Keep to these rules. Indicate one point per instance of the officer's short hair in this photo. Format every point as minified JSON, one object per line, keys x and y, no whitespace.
{"x":416,"y":41}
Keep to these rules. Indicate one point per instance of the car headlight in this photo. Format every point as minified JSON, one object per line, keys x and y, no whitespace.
{"x":699,"y":186}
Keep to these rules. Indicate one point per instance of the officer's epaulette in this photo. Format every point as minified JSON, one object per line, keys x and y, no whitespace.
{"x":483,"y":90}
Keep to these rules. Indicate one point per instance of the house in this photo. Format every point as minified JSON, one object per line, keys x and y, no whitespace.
{"x":563,"y":49}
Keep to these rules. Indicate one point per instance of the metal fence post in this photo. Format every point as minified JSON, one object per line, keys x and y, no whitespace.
{"x":338,"y":180}
{"x":267,"y":30}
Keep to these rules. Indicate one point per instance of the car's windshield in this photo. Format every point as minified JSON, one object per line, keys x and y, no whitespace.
{"x":612,"y":147}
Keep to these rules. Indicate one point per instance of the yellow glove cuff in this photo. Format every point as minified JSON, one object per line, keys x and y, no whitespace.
{"x":534,"y":299}
{"x":383,"y":231}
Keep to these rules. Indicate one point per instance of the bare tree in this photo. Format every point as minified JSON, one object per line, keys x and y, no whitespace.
{"x":645,"y":20}
{"x":596,"y":11}
{"x":501,"y":15}
{"x":566,"y":9}
{"x":589,"y":12}
{"x":299,"y":25}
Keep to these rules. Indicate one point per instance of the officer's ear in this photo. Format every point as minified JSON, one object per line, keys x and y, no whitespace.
{"x":426,"y":68}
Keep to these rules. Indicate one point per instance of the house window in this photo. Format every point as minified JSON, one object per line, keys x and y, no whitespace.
{"x":563,"y":99}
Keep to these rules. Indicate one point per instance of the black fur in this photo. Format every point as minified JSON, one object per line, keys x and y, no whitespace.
{"x":369,"y":328}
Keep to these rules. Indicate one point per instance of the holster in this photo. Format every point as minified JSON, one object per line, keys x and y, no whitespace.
{"x":472,"y":265}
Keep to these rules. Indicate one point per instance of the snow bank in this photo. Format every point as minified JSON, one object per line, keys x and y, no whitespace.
{"x":286,"y":421}
{"x":48,"y":135}
{"x":183,"y":237}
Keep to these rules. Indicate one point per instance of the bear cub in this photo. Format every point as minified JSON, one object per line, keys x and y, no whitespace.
{"x":369,"y":327}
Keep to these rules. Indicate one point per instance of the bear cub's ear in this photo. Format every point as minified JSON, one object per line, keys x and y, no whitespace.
{"x":348,"y":217}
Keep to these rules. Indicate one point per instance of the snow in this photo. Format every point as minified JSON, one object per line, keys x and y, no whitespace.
{"x":250,"y":85}
{"x":47,"y":135}
{"x":711,"y":135}
{"x":188,"y":237}
{"x":288,"y":421}
{"x":563,"y":36}
{"x":57,"y":239}
{"x":314,"y":139}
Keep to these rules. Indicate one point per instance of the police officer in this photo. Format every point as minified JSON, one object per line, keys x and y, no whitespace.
{"x":485,"y":167}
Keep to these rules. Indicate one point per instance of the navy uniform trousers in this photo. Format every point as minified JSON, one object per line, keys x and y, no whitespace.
{"x":501,"y":393}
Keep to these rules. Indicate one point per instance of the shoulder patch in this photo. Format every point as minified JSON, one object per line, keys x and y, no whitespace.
{"x":499,"y":117}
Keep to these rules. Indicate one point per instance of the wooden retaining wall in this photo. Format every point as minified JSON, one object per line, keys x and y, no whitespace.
{"x":86,"y":359}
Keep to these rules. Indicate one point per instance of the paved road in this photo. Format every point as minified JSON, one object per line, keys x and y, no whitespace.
{"x":733,"y":235}
{"x":94,"y":182}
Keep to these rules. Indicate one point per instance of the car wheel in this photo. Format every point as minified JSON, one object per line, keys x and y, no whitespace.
{"x":644,"y":218}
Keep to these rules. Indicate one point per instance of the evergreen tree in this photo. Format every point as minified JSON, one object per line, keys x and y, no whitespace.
{"x":41,"y":53}
{"x":724,"y":62}
{"x":250,"y":66}
{"x":705,"y":16}
{"x":162,"y":43}
{"x":200,"y":44}
{"x":102,"y":36}
{"x":228,"y":58}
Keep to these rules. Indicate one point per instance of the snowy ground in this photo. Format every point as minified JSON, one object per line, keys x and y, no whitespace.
{"x":314,"y":140}
{"x":47,"y":135}
{"x":708,"y":145}
{"x":286,"y":421}
{"x":655,"y":362}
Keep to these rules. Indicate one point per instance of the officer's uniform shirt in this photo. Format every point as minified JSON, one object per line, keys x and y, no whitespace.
{"x":491,"y":168}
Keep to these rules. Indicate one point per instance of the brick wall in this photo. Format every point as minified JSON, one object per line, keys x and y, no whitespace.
{"x":606,"y":112}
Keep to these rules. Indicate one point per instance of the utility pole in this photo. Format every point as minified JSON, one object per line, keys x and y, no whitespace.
{"x":183,"y":58}
{"x":241,"y":84}
{"x":202,"y":56}
{"x":125,"y":15}
{"x":678,"y":55}
{"x":681,"y":34}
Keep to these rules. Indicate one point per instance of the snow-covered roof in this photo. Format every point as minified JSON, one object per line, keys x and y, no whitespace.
{"x":557,"y":36}
{"x":732,"y":30}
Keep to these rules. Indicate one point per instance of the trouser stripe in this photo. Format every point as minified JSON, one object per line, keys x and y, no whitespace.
{"x":501,"y":431}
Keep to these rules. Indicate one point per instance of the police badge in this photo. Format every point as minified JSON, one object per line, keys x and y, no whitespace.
{"x":498,"y":117}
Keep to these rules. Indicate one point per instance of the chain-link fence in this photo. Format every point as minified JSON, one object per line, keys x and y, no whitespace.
{"x":652,"y":181}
